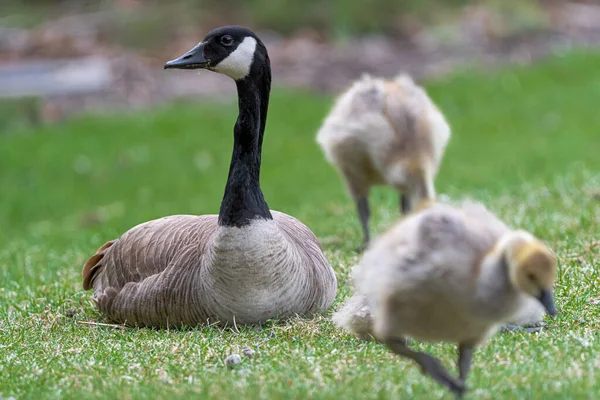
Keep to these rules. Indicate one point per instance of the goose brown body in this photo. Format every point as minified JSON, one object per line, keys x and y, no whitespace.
{"x":186,"y":270}
{"x":245,"y":265}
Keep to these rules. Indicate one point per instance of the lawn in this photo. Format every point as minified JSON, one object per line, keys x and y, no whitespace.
{"x":526,"y":142}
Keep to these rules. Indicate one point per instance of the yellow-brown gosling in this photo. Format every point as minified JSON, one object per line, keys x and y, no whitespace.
{"x":447,"y":273}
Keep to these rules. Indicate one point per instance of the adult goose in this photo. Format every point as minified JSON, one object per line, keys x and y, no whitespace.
{"x":246,"y":265}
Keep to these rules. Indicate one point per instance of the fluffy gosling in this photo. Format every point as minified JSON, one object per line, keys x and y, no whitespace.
{"x":385,"y":132}
{"x":444,"y":274}
{"x":355,"y":314}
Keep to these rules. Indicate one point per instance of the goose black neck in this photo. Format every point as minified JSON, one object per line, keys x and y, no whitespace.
{"x":243,"y":200}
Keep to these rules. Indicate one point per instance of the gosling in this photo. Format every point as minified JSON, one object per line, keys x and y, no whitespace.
{"x":385,"y":132}
{"x":450,"y":274}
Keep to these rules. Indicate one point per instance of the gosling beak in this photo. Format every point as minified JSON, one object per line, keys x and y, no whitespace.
{"x":548,"y":302}
{"x":193,"y":59}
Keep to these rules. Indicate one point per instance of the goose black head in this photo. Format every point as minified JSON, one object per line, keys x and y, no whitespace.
{"x":234,"y":51}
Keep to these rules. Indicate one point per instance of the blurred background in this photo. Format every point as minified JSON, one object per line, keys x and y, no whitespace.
{"x":59,"y":58}
{"x":95,"y":136}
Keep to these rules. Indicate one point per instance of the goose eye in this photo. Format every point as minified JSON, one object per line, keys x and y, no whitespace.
{"x":226,"y":40}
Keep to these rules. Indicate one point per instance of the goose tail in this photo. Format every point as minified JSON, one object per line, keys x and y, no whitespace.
{"x":94,"y":265}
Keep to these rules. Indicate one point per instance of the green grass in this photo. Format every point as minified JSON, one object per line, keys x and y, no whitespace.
{"x":526,"y":141}
{"x":145,"y":28}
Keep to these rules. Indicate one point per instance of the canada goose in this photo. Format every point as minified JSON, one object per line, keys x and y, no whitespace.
{"x":247,"y":264}
{"x":385,"y":132}
{"x":451,"y":274}
{"x":355,"y":314}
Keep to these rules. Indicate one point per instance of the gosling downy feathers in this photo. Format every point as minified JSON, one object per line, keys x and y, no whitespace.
{"x":385,"y":132}
{"x":247,"y":264}
{"x":451,"y":274}
{"x":355,"y":314}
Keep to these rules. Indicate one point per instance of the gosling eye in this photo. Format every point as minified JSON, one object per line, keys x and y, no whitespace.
{"x":531,"y":277}
{"x":226,"y":40}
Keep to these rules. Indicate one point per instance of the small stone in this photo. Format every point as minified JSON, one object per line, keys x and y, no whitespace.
{"x":248,"y":352}
{"x":233,"y":360}
{"x":70,"y":312}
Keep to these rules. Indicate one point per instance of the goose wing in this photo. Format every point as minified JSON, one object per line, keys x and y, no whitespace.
{"x":147,"y":249}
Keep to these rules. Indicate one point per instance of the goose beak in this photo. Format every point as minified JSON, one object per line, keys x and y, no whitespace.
{"x":193,"y":59}
{"x":548,"y":302}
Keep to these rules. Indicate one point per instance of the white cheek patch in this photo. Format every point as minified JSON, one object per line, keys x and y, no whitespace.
{"x":237,"y":64}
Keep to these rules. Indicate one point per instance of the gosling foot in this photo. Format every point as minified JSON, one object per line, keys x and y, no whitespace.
{"x":531,"y":328}
{"x":432,"y":367}
{"x":429,"y":366}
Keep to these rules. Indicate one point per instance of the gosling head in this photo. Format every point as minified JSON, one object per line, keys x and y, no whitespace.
{"x":234,"y":51}
{"x":532,"y":267}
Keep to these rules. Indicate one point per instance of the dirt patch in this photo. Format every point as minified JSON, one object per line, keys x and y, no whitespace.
{"x":304,"y":59}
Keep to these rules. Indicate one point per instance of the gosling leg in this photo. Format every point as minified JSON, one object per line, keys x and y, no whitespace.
{"x":362,"y":205}
{"x":416,"y":194}
{"x":404,"y":204}
{"x":429,"y":366}
{"x":465,"y":355}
